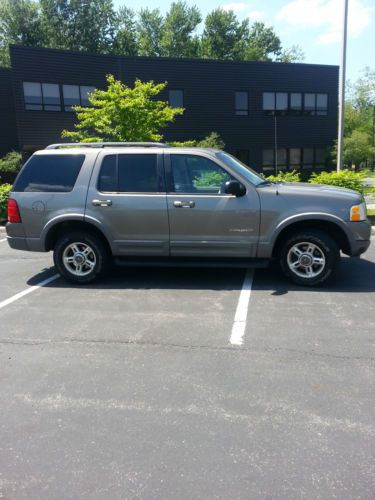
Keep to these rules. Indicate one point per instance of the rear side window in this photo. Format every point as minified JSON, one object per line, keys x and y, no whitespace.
{"x":49,"y":173}
{"x":133,"y":173}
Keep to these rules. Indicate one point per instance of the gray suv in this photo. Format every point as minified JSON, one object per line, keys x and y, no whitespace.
{"x":147,"y":203}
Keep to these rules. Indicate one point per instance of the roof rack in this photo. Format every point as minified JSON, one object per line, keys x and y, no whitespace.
{"x":108,"y":145}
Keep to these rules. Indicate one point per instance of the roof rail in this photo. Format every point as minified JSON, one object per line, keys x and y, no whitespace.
{"x":108,"y":145}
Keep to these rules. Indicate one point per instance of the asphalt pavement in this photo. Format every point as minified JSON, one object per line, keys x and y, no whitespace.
{"x":133,"y":388}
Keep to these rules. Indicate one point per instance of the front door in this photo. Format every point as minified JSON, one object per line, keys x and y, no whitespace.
{"x":127,"y":200}
{"x":203,"y":220}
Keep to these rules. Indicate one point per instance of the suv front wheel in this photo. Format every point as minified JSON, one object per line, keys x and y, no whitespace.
{"x":81,"y":257}
{"x":309,"y":257}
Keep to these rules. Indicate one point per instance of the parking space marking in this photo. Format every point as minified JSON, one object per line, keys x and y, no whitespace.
{"x":239,"y":324}
{"x":3,"y":240}
{"x":27,"y":291}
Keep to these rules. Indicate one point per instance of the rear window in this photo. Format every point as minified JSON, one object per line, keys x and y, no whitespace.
{"x":134,"y":173}
{"x":49,"y":173}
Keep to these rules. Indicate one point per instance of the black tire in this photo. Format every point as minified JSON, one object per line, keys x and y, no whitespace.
{"x":296,"y":267}
{"x":98,"y":257}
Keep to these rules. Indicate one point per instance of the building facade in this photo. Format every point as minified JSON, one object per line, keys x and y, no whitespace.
{"x":267,"y":113}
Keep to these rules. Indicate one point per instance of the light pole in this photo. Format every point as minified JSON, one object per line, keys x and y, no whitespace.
{"x":340,"y":141}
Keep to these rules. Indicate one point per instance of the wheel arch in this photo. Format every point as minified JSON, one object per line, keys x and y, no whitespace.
{"x":328,"y":226}
{"x":70,"y":225}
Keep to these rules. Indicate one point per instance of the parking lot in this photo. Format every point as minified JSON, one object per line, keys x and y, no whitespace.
{"x":186,"y":383}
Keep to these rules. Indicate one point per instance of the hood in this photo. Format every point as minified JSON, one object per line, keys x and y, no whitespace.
{"x":316,"y":190}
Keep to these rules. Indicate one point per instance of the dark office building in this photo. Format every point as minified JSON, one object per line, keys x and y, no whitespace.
{"x":256,"y":107}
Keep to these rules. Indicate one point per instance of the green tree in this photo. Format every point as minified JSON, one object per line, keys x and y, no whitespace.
{"x":121,"y":113}
{"x":126,"y":39}
{"x":79,"y":24}
{"x":150,"y":30}
{"x":263,"y":44}
{"x":179,"y":26}
{"x":357,"y":149}
{"x":224,"y":37}
{"x":20,"y":23}
{"x":291,"y":54}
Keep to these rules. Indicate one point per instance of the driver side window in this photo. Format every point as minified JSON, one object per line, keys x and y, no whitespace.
{"x":197,"y":175}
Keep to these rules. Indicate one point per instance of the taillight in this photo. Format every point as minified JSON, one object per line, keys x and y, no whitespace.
{"x":13,"y":212}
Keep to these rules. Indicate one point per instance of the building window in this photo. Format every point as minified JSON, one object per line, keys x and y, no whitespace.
{"x":41,"y":96}
{"x":321,"y":104}
{"x":176,"y":98}
{"x":282,"y":103}
{"x":76,"y":95}
{"x":241,"y":103}
{"x":275,"y":103}
{"x":308,"y":157}
{"x":268,"y":159}
{"x":309,"y":104}
{"x":281,"y":157}
{"x":320,"y":157}
{"x":295,"y":103}
{"x":295,"y":157}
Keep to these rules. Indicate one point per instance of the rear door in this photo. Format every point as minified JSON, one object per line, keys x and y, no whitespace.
{"x":204,"y":221}
{"x":127,"y":199}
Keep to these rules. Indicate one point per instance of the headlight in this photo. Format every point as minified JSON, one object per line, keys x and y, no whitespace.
{"x":358,"y":212}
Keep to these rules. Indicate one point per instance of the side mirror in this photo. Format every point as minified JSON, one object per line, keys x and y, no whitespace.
{"x":235,"y":188}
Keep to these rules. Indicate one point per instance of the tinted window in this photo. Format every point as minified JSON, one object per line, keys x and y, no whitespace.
{"x":137,"y":173}
{"x":49,"y":173}
{"x":176,"y":98}
{"x":268,"y":101}
{"x":196,"y":174}
{"x":108,"y":175}
{"x":281,"y":101}
{"x":241,"y":103}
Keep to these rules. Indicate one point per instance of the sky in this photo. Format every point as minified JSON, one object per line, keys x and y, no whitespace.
{"x":314,"y":25}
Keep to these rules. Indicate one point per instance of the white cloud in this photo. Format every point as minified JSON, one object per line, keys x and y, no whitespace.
{"x":256,"y":15}
{"x":327,"y":16}
{"x":235,"y":6}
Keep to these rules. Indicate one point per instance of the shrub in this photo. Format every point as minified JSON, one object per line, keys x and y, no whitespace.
{"x":212,"y":140}
{"x":10,"y":165}
{"x":292,"y":176}
{"x":343,"y":178}
{"x":4,"y":194}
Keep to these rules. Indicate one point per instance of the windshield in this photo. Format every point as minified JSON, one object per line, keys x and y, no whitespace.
{"x":240,"y":168}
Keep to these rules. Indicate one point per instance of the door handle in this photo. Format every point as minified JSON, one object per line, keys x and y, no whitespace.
{"x":184,"y":204}
{"x":101,"y":203}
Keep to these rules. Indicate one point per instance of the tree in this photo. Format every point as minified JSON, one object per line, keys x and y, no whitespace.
{"x":20,"y":23}
{"x":357,"y":149}
{"x":79,"y":24}
{"x":291,"y":54}
{"x":150,"y":29}
{"x":121,"y":113}
{"x":263,"y":44}
{"x":126,"y":40}
{"x":224,"y":37}
{"x":179,"y":25}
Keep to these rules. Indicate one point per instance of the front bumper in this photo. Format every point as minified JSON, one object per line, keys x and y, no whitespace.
{"x":360,"y":237}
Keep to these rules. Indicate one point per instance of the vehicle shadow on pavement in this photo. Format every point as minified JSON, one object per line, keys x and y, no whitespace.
{"x":354,"y":275}
{"x":149,"y":278}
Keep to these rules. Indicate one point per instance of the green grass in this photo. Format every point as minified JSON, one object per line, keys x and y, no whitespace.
{"x":371,"y":211}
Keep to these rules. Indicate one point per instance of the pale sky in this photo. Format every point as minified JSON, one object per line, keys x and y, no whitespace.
{"x":315,"y":25}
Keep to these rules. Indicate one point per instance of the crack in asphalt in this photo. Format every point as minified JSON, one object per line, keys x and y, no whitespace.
{"x":140,"y":343}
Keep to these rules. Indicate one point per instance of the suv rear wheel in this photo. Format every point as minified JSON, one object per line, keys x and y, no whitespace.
{"x":81,"y":257}
{"x":309,"y":257}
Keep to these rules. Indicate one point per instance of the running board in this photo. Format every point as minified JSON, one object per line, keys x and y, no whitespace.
{"x":191,"y":262}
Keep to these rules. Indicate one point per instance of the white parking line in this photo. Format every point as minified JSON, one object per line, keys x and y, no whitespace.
{"x":239,"y":324}
{"x":27,"y":291}
{"x":3,"y":240}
